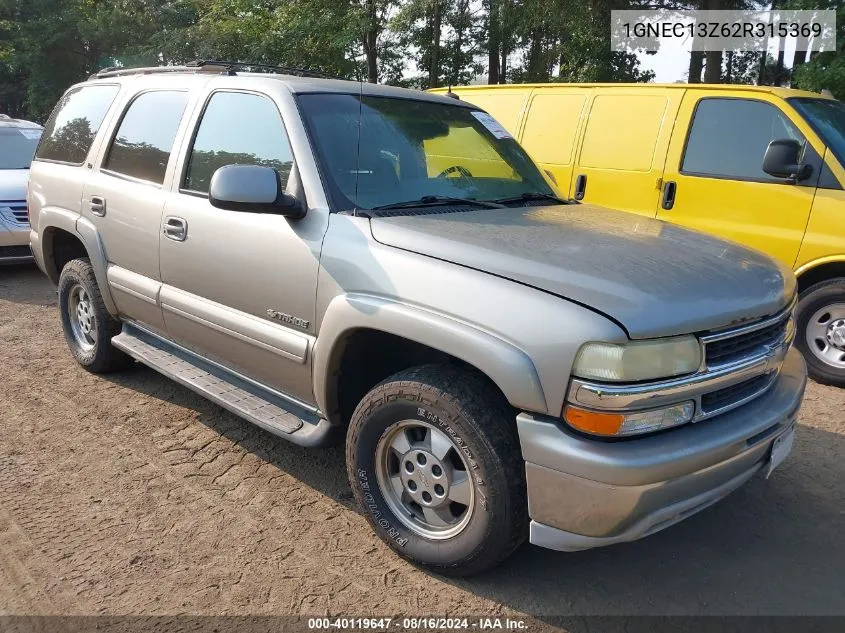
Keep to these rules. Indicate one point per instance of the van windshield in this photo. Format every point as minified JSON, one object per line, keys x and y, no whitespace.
{"x":17,"y":146}
{"x":827,"y":118}
{"x":381,"y":151}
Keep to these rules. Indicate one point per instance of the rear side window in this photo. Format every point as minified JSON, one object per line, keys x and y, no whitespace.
{"x":145,"y":136}
{"x":238,"y":129}
{"x":71,"y":129}
{"x":622,"y":132}
{"x":729,"y":137}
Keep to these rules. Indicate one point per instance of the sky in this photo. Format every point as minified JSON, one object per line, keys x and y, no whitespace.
{"x":671,"y":62}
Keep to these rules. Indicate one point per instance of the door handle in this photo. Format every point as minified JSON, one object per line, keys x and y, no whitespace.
{"x":97,"y":206}
{"x":669,"y":189}
{"x":175,"y":228}
{"x":580,"y":186}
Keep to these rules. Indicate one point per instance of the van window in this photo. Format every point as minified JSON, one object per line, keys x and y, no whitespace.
{"x":622,"y":132}
{"x":729,"y":137}
{"x":141,"y":147}
{"x":551,"y":126}
{"x":77,"y":117}
{"x":238,"y":128}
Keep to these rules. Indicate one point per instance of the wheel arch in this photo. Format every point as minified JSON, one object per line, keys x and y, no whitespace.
{"x":391,"y":336}
{"x":65,"y":236}
{"x":818,"y":271}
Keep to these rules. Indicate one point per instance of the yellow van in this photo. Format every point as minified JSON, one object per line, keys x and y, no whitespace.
{"x":760,"y":165}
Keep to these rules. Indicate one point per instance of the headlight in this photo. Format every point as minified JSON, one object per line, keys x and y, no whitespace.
{"x":638,"y":360}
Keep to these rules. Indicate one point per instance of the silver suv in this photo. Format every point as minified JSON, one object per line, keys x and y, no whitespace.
{"x":337,"y":261}
{"x":18,"y":139}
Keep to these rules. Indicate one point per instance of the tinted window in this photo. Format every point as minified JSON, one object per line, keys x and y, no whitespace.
{"x":141,"y":147}
{"x":238,"y":129}
{"x":73,"y":125}
{"x":729,"y":138}
{"x":17,"y":145}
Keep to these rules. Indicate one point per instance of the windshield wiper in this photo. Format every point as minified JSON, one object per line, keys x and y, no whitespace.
{"x":533,"y":195}
{"x":431,"y":201}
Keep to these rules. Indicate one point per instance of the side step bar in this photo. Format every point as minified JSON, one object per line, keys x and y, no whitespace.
{"x":243,"y":398}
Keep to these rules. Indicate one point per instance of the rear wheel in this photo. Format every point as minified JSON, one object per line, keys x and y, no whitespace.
{"x":87,"y":325}
{"x":821,"y":331}
{"x":434,"y":461}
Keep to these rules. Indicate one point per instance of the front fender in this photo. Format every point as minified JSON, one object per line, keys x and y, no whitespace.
{"x":506,"y":365}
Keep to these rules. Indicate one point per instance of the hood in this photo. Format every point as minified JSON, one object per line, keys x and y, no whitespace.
{"x":655,"y":279}
{"x":13,"y":184}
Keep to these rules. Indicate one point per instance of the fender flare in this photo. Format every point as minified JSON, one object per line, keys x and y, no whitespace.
{"x":84,"y":229}
{"x":505,"y":364}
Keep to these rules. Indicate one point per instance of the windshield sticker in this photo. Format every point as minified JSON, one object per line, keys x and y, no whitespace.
{"x":31,"y":134}
{"x":493,"y":126}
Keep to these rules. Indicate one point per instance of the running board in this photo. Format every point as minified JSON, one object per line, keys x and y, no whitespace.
{"x":225,"y":388}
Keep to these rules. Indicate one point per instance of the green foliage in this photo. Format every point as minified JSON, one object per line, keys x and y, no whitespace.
{"x":824,"y":70}
{"x":47,"y":45}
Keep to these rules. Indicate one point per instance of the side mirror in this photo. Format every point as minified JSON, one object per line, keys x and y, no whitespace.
{"x":783,"y":160}
{"x":251,"y":188}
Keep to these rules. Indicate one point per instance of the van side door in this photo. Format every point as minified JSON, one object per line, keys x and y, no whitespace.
{"x":239,"y":288}
{"x":714,"y":179}
{"x":621,"y":158}
{"x":125,"y":193}
{"x":551,"y":130}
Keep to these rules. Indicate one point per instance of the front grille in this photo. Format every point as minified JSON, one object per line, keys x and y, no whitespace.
{"x":735,"y":394}
{"x":747,"y":344}
{"x":15,"y":251}
{"x":14,"y":211}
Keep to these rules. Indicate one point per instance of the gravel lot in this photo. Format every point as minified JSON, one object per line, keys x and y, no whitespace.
{"x":128,"y":494}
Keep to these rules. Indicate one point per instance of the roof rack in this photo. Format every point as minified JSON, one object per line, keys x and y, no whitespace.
{"x":210,"y":65}
{"x":288,"y":70}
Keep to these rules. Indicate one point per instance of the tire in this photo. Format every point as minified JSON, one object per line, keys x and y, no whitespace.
{"x":427,"y":406}
{"x":820,"y":323}
{"x":91,"y":346}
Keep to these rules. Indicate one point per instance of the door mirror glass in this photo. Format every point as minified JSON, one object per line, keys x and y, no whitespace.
{"x":783,"y":160}
{"x":251,"y":188}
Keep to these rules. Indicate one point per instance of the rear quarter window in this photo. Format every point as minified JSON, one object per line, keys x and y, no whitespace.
{"x":74,"y":124}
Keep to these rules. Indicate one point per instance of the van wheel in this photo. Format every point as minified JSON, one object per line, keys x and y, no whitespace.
{"x":434,"y":461}
{"x":821,"y":331}
{"x":87,"y":325}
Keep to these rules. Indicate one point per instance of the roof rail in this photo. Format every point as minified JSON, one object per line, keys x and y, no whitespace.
{"x":210,"y":65}
{"x":147,"y":70}
{"x":288,"y":70}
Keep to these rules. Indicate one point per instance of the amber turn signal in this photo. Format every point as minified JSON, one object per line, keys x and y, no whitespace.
{"x":592,"y":421}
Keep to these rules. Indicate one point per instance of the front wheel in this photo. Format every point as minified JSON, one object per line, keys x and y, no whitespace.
{"x":821,"y":331}
{"x":434,"y":461}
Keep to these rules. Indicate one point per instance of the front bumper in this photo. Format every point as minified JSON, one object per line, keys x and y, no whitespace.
{"x":585,"y":493}
{"x":14,"y":242}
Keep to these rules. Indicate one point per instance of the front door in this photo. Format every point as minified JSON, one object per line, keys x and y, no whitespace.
{"x":240,"y":288}
{"x":716,"y":172}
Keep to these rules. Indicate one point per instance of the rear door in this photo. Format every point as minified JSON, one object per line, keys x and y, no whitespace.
{"x":125,"y":194}
{"x":623,"y":151}
{"x":715,"y":167}
{"x":551,"y":129}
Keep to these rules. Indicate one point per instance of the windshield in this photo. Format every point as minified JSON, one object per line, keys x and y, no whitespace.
{"x":411,"y":149}
{"x":827,"y":118}
{"x":17,"y":146}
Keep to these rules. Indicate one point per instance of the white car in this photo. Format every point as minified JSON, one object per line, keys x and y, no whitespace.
{"x":17,"y":146}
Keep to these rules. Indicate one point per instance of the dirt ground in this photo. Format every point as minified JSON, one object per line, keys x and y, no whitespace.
{"x":128,"y":494}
